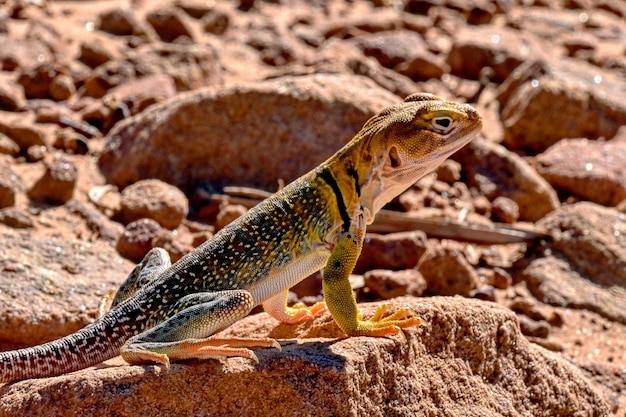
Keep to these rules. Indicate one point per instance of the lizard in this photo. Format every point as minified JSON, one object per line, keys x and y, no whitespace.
{"x":170,"y":312}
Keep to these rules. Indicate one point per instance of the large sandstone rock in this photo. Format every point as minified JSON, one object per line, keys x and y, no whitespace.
{"x":50,"y":287}
{"x":253,"y":135}
{"x":473,"y":361}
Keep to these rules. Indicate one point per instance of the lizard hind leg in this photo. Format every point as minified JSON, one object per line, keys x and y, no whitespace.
{"x":156,"y":261}
{"x":186,"y":334}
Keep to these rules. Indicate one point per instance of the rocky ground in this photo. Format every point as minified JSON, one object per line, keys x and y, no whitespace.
{"x":126,"y":125}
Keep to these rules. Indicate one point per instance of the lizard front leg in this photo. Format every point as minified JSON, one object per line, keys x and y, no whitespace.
{"x":185,"y":335}
{"x":340,"y":298}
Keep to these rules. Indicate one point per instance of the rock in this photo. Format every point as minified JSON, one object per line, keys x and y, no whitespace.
{"x":394,"y":251}
{"x":57,"y":184}
{"x":537,"y":95}
{"x":36,"y":81}
{"x":23,"y":54}
{"x":11,"y":95}
{"x":9,"y":185}
{"x":182,"y":141}
{"x":8,"y":146}
{"x":216,"y":21}
{"x":190,"y":66}
{"x":449,"y":171}
{"x":384,"y":284}
{"x":592,"y":238}
{"x":276,"y":46}
{"x":447,"y":272}
{"x":229,"y":213}
{"x":499,"y":48}
{"x":50,"y":287}
{"x":404,"y":51}
{"x":107,"y":230}
{"x":473,"y":358}
{"x":16,"y":218}
{"x":96,"y":52}
{"x":594,"y":171}
{"x":169,"y":24}
{"x":497,"y":172}
{"x":61,"y":87}
{"x":138,"y":239}
{"x":156,"y":200}
{"x":505,"y":210}
{"x":21,"y":128}
{"x":585,"y":265}
{"x":121,"y":22}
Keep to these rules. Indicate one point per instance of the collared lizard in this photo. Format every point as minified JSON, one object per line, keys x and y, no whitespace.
{"x":166,"y":312}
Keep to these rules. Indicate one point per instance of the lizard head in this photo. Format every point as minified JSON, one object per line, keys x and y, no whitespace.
{"x":405,"y":142}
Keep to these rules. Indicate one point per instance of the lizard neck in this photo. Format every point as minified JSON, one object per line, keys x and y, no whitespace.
{"x":356,"y":171}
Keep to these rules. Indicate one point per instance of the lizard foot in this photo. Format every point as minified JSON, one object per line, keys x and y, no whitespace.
{"x":300,"y":312}
{"x":377,"y":325}
{"x":209,"y":348}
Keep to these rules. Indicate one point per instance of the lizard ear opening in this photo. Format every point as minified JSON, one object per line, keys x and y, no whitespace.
{"x":394,"y":158}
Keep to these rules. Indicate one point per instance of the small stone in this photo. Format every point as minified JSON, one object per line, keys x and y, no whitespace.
{"x":8,"y":146}
{"x":174,"y":247}
{"x":447,"y":272}
{"x":16,"y":218}
{"x":36,"y":81}
{"x":95,"y":53}
{"x":169,"y":24}
{"x":501,"y":279}
{"x":154,"y":199}
{"x":121,"y":22}
{"x":11,"y":95}
{"x":57,"y":184}
{"x":228,"y":213}
{"x":137,"y":239}
{"x":216,"y":22}
{"x":62,"y":87}
{"x":35,"y":153}
{"x":532,"y":328}
{"x":505,"y":210}
{"x":394,"y":251}
{"x":449,"y":171}
{"x":387,"y":284}
{"x":9,"y":186}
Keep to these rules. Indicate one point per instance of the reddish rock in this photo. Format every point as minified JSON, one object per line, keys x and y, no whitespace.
{"x":57,"y":183}
{"x":394,"y":251}
{"x":156,"y":200}
{"x":505,"y":210}
{"x":384,"y":284}
{"x":496,"y":172}
{"x":98,"y":223}
{"x":594,"y":171}
{"x":8,"y":146}
{"x":315,"y":114}
{"x":51,"y":286}
{"x":61,"y":87}
{"x":447,"y":272}
{"x":15,"y":218}
{"x":228,"y":213}
{"x":95,"y":52}
{"x":20,"y":128}
{"x":537,"y":95}
{"x":404,"y":51}
{"x":472,"y":358}
{"x":138,"y":239}
{"x":499,"y":48}
{"x":121,"y":22}
{"x":11,"y":95}
{"x":169,"y":24}
{"x":9,"y":185}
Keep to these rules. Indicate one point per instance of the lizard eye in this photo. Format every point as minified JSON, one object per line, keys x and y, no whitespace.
{"x":442,"y":123}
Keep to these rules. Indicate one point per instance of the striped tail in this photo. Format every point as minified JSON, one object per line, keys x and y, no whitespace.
{"x":89,"y":346}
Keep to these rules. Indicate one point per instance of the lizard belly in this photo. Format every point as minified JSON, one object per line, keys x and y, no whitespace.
{"x":288,"y":276}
